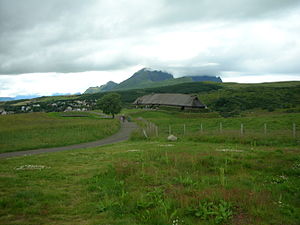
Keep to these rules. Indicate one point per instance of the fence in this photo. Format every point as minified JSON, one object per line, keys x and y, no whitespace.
{"x":240,"y":131}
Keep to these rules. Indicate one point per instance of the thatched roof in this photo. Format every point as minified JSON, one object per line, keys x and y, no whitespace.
{"x":181,"y":100}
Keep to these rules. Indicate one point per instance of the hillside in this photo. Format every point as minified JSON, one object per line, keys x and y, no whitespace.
{"x":128,"y":96}
{"x":206,"y":78}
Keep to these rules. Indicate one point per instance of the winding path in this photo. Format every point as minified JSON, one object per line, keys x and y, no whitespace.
{"x":122,"y":135}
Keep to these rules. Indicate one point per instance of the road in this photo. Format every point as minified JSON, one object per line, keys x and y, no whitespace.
{"x":122,"y":135}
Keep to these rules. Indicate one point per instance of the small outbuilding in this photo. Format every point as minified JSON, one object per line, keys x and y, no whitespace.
{"x":175,"y":100}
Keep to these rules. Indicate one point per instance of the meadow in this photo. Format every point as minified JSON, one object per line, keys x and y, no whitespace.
{"x":153,"y":181}
{"x":42,"y":130}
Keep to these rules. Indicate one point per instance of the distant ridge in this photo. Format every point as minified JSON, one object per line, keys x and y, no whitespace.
{"x":21,"y":97}
{"x":149,"y":78}
{"x":4,"y":99}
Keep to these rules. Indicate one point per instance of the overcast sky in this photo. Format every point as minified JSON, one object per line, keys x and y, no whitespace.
{"x":66,"y":46}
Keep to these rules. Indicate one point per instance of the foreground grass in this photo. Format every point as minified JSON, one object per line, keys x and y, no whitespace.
{"x":148,"y":182}
{"x":41,"y":130}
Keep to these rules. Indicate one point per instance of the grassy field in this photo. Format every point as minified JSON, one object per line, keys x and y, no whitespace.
{"x":195,"y":180}
{"x":258,"y":128}
{"x":40,"y":130}
{"x":146,"y":182}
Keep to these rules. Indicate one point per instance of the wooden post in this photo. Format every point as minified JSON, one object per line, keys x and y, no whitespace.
{"x":152,"y":128}
{"x":183,"y":129}
{"x":294,"y":130}
{"x":265,"y":128}
{"x":145,"y":134}
{"x":201,"y":128}
{"x":242,"y":129}
{"x":221,"y":128}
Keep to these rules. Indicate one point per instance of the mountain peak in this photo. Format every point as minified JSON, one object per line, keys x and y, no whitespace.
{"x":144,"y":78}
{"x":148,"y":69}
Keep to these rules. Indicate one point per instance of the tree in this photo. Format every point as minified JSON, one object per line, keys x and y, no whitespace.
{"x":110,"y":104}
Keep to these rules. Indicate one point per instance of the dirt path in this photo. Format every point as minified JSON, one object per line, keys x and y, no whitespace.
{"x":122,"y":135}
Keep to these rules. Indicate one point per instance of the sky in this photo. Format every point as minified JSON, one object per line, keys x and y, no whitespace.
{"x":66,"y":46}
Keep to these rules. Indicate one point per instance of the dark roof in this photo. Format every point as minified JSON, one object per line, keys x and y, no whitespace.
{"x":170,"y":99}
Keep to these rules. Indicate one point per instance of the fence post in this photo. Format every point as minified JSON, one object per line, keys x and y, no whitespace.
{"x":265,"y":128}
{"x":201,"y":128}
{"x":145,"y":134}
{"x":294,"y":130}
{"x":242,"y":129}
{"x":169,"y":129}
{"x":156,"y":131}
{"x":221,"y":128}
{"x":183,"y":129}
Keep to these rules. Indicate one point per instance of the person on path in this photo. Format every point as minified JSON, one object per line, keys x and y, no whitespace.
{"x":123,"y":119}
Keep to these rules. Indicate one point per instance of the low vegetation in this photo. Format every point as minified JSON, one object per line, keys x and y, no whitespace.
{"x":42,"y":130}
{"x":146,"y":182}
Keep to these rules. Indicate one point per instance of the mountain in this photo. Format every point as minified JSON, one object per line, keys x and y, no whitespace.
{"x":18,"y":97}
{"x":148,"y":78}
{"x":21,"y":97}
{"x":144,"y":78}
{"x":4,"y":99}
{"x":105,"y":87}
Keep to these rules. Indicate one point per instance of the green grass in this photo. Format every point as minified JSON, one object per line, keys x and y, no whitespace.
{"x":279,"y":127}
{"x":41,"y":130}
{"x":212,"y":178}
{"x":148,"y":182}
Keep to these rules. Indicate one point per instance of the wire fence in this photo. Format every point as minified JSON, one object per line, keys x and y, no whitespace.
{"x":241,"y":131}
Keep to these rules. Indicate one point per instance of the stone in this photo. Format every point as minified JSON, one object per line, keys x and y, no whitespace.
{"x":172,"y":138}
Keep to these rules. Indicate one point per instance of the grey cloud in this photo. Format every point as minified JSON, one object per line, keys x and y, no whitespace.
{"x":208,"y":70}
{"x":230,"y":9}
{"x":77,"y":36}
